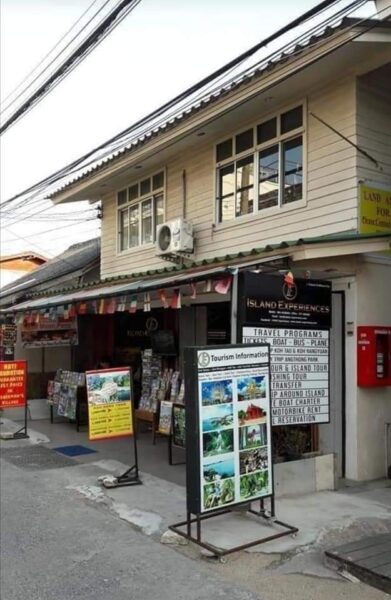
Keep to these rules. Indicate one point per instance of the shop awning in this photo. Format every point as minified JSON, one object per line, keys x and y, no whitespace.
{"x":118,"y":290}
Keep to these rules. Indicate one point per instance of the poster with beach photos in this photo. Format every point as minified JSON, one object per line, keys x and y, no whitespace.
{"x":234,"y":440}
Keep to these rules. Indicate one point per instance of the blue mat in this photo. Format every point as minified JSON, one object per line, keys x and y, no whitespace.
{"x":74,"y":450}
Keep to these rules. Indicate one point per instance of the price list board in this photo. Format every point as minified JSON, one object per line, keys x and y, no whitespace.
{"x":299,"y":366}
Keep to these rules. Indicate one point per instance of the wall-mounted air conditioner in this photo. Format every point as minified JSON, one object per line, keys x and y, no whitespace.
{"x":173,"y":237}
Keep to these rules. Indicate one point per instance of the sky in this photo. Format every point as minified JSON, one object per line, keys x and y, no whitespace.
{"x":160,"y":49}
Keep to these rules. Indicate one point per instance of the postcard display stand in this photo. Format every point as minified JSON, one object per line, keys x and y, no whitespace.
{"x":228,"y":439}
{"x":67,"y":393}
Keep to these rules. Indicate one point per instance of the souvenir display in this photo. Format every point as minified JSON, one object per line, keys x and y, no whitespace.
{"x":62,"y":392}
{"x":165,"y":417}
{"x":178,"y":426}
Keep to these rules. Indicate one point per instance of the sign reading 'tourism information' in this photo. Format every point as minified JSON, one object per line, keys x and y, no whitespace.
{"x":228,"y":426}
{"x":299,"y":373}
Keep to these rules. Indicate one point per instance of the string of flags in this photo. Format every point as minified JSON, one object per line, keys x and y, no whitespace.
{"x":107,"y":306}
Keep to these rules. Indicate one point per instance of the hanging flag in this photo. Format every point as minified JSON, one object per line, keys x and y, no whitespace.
{"x":60,"y":311}
{"x":147,"y":302}
{"x":133,"y":304}
{"x":121,"y":304}
{"x":163,"y":298}
{"x":36,"y":318}
{"x":19,"y":319}
{"x":111,"y":306}
{"x":82,"y":308}
{"x":193,"y":289}
{"x":53,"y":313}
{"x":289,"y":279}
{"x":72,"y":311}
{"x":102,"y":306}
{"x":222,"y":285}
{"x":208,"y":286}
{"x":176,"y":299}
{"x":66,"y":311}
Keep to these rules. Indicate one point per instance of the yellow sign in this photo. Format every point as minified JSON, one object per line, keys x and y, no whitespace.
{"x":109,"y":403}
{"x":107,"y":421}
{"x":375,"y":210}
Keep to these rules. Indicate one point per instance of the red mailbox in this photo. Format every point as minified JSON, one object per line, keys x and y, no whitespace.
{"x":373,"y":356}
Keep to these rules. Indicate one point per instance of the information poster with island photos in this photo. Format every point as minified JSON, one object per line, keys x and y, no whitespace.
{"x":229,"y":430}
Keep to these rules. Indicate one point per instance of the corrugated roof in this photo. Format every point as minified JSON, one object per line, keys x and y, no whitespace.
{"x":201,"y":103}
{"x":76,"y":257}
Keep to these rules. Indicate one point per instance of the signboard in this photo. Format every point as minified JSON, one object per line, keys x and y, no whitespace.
{"x":109,"y":395}
{"x":49,"y":331}
{"x":8,"y":334}
{"x":165,"y":417}
{"x":13,"y":376}
{"x":295,"y":320}
{"x":375,"y":210}
{"x":299,"y":365}
{"x":228,"y":426}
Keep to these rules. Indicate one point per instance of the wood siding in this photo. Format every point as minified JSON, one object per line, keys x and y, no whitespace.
{"x":330,"y":200}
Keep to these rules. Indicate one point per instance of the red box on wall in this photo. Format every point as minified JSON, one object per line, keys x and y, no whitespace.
{"x":373,"y":356}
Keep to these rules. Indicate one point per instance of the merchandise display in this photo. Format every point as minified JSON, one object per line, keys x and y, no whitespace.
{"x":64,"y":391}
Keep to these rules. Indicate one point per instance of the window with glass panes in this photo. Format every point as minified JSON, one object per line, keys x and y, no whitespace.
{"x":140,"y":211}
{"x":261,"y":167}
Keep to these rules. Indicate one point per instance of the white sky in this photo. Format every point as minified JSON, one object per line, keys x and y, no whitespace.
{"x":160,"y":49}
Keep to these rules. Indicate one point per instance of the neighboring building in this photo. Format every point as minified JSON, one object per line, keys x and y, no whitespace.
{"x":274,"y":170}
{"x":13,"y":266}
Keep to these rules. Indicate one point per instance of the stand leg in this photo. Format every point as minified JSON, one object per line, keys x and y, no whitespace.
{"x":198,"y":528}
{"x":51,"y":414}
{"x":188,"y":524}
{"x":22,"y":432}
{"x":170,"y":450}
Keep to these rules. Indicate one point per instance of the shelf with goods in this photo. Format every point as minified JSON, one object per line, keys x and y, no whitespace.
{"x":67,"y":397}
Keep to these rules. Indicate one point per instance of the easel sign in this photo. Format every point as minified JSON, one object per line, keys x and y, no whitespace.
{"x":110,"y":413}
{"x":228,"y":436}
{"x":13,"y":386}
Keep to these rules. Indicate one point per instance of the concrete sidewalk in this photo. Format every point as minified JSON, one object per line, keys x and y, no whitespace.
{"x":324,"y":519}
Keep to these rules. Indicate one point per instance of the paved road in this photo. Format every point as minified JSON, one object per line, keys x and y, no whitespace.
{"x":57,"y":546}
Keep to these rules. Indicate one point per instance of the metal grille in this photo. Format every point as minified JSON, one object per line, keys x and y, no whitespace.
{"x":36,"y":458}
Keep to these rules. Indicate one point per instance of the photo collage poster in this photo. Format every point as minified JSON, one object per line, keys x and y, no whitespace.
{"x":234,"y":418}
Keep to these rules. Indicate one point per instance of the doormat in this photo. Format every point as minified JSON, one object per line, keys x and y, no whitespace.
{"x":75,"y":450}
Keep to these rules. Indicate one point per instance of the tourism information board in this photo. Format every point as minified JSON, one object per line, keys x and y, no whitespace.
{"x":109,"y":394}
{"x":299,"y":366}
{"x":228,"y":426}
{"x":13,"y":375}
{"x":295,"y":320}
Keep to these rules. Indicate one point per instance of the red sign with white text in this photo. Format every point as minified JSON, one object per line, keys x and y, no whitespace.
{"x":13,"y":376}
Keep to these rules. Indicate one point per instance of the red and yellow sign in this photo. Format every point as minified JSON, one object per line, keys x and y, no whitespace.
{"x":13,"y":375}
{"x":109,"y":393}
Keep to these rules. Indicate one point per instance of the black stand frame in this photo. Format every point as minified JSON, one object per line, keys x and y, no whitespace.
{"x":170,"y":447}
{"x":131,"y":476}
{"x":219,"y":552}
{"x":21,"y":434}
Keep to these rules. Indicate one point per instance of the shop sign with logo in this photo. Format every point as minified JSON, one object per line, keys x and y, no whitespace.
{"x":295,"y":320}
{"x":375,"y":210}
{"x":228,"y":426}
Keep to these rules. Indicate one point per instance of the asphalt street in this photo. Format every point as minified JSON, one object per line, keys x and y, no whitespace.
{"x":56,"y":545}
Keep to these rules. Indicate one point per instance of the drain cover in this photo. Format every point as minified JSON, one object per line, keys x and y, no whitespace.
{"x":36,"y":458}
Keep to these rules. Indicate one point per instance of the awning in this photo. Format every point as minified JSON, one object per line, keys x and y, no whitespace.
{"x":117,"y":290}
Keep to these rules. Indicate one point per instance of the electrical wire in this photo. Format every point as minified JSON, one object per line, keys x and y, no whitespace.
{"x":49,"y":53}
{"x":91,"y":42}
{"x":183,"y":95}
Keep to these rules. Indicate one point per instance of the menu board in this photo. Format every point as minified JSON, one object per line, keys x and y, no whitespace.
{"x":109,"y":394}
{"x":228,"y":426}
{"x":299,"y":365}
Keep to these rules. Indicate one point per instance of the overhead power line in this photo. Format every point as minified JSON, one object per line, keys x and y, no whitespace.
{"x":325,"y":4}
{"x":99,"y":33}
{"x":49,"y":53}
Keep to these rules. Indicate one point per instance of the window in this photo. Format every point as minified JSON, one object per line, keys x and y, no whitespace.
{"x":274,"y":160}
{"x":140,"y":211}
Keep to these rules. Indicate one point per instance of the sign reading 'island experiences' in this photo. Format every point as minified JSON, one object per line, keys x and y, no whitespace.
{"x":295,"y":321}
{"x":227,"y":426}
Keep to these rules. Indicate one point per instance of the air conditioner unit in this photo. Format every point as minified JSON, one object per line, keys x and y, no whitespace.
{"x":174,"y":237}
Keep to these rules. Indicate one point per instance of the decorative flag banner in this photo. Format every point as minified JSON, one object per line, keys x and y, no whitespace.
{"x":109,"y":394}
{"x":147,"y":302}
{"x":133,"y":305}
{"x":13,"y":376}
{"x":101,"y":309}
{"x":121,"y":304}
{"x":222,"y":285}
{"x":53,"y":313}
{"x":289,"y":279}
{"x":163,"y":298}
{"x":193,"y":288}
{"x":36,"y":318}
{"x":66,"y":311}
{"x":19,"y":319}
{"x":72,"y":311}
{"x":111,"y":306}
{"x":176,"y":299}
{"x":208,"y":286}
{"x":82,"y":308}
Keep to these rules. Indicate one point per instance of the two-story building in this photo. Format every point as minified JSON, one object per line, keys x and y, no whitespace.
{"x":286,"y":166}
